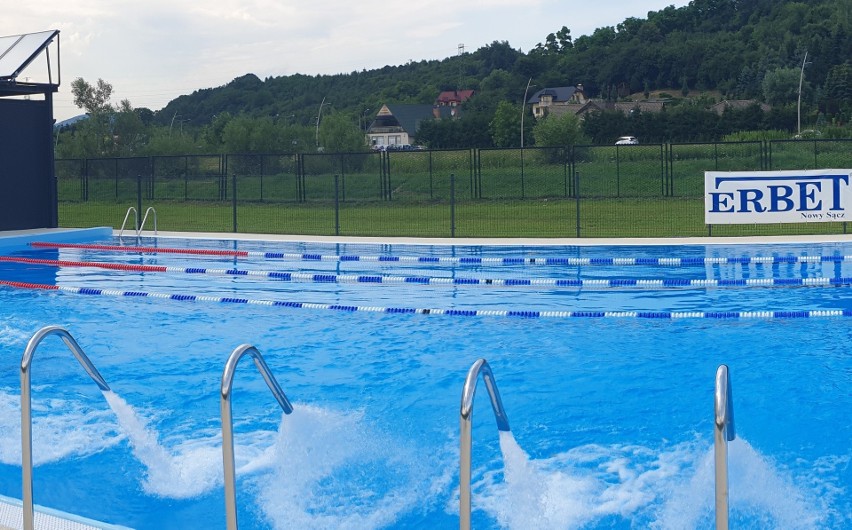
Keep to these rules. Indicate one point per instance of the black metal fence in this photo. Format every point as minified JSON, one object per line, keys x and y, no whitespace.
{"x":584,"y":191}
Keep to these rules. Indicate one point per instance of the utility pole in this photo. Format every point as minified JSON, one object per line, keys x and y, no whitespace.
{"x":799,"y":106}
{"x":319,"y":115}
{"x":524,"y":111}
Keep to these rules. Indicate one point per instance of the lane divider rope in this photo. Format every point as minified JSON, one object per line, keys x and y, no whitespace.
{"x":659,"y":315}
{"x":604,"y":283}
{"x":464,"y":260}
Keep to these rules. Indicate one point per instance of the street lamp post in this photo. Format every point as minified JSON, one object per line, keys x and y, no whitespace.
{"x":172,"y":123}
{"x":319,"y":116}
{"x":364,"y":116}
{"x":799,"y":105}
{"x":523,"y":111}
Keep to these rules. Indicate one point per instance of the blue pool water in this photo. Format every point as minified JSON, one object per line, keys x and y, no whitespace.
{"x":611,"y":417}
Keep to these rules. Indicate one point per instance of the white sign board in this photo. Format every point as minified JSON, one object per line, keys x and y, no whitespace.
{"x":746,"y":197}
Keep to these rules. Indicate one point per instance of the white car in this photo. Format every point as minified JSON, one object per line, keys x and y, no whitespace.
{"x":627,"y":140}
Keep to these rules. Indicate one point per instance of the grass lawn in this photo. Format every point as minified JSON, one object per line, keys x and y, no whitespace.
{"x":618,"y":217}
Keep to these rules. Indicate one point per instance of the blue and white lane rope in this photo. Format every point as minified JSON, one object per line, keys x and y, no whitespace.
{"x":603,"y":283}
{"x":659,"y":315}
{"x":571,"y":283}
{"x":468,"y":260}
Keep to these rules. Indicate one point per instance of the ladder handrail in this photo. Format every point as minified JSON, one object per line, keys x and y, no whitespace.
{"x":723,"y":433}
{"x":145,"y":218}
{"x":466,"y":415}
{"x":127,"y":216}
{"x":26,"y":408}
{"x":228,"y":422}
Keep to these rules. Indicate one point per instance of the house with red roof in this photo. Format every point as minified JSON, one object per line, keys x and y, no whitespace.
{"x":453,"y":98}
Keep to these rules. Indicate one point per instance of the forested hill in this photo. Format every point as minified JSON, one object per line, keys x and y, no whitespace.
{"x":723,"y":45}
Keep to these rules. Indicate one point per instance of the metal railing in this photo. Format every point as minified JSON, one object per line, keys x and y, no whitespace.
{"x":135,"y":221}
{"x":26,"y":408}
{"x":466,"y":416}
{"x":138,"y":228}
{"x":145,"y":218}
{"x":723,"y":433}
{"x":228,"y":423}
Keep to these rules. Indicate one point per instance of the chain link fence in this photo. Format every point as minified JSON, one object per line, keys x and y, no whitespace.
{"x":652,"y":190}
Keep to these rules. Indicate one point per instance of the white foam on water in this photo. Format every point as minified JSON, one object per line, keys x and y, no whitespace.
{"x":761,"y":495}
{"x":333,"y":470}
{"x":13,"y":334}
{"x":552,"y":493}
{"x":61,"y":428}
{"x":670,"y":489}
{"x":188,"y":470}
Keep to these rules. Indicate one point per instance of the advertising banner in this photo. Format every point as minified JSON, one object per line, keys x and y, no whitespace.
{"x":801,"y":196}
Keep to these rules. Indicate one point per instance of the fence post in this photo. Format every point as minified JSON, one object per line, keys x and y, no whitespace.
{"x":234,"y":199}
{"x":431,"y":187}
{"x":301,"y":181}
{"x":261,"y":177}
{"x":150,"y":190}
{"x":715,"y":156}
{"x":336,"y":206}
{"x":452,"y":205}
{"x":343,"y":159}
{"x":767,"y":155}
{"x":617,"y":172}
{"x":138,"y":193}
{"x":816,"y":154}
{"x":577,"y":199}
{"x":667,"y":168}
{"x":388,"y":173}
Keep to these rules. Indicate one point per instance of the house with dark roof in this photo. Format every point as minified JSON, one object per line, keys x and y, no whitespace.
{"x":738,"y":104}
{"x":397,"y":124}
{"x":453,"y":98}
{"x":625,"y":107}
{"x":548,"y":99}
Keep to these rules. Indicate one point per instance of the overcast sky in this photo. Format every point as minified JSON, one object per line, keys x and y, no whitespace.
{"x":153,"y":51}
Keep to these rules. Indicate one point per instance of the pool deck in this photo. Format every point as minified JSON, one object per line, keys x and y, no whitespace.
{"x":12,"y":517}
{"x":57,"y":235}
{"x":751,"y":240}
{"x":12,"y":239}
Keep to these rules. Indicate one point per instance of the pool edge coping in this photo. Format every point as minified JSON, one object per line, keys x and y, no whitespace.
{"x":52,"y":514}
{"x":16,"y":239}
{"x":744,"y":240}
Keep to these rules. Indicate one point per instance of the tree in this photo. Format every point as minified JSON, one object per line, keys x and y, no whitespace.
{"x":498,"y":55}
{"x":94,"y":99}
{"x":837,"y":95}
{"x":781,"y":86}
{"x":555,"y":43}
{"x":603,"y":127}
{"x":244,"y":134}
{"x":506,"y":125}
{"x":110,"y":130}
{"x":340,"y":134}
{"x":558,"y":131}
{"x":128,"y":131}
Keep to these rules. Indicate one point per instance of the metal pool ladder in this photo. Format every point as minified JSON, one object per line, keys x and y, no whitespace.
{"x":26,"y":408}
{"x":723,"y":433}
{"x":479,"y":367}
{"x":137,"y":228}
{"x":228,"y":422}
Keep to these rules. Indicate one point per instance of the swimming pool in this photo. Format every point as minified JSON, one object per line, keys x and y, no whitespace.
{"x":607,"y":379}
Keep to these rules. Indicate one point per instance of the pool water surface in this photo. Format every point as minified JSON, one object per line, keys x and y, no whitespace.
{"x":611,"y":415}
